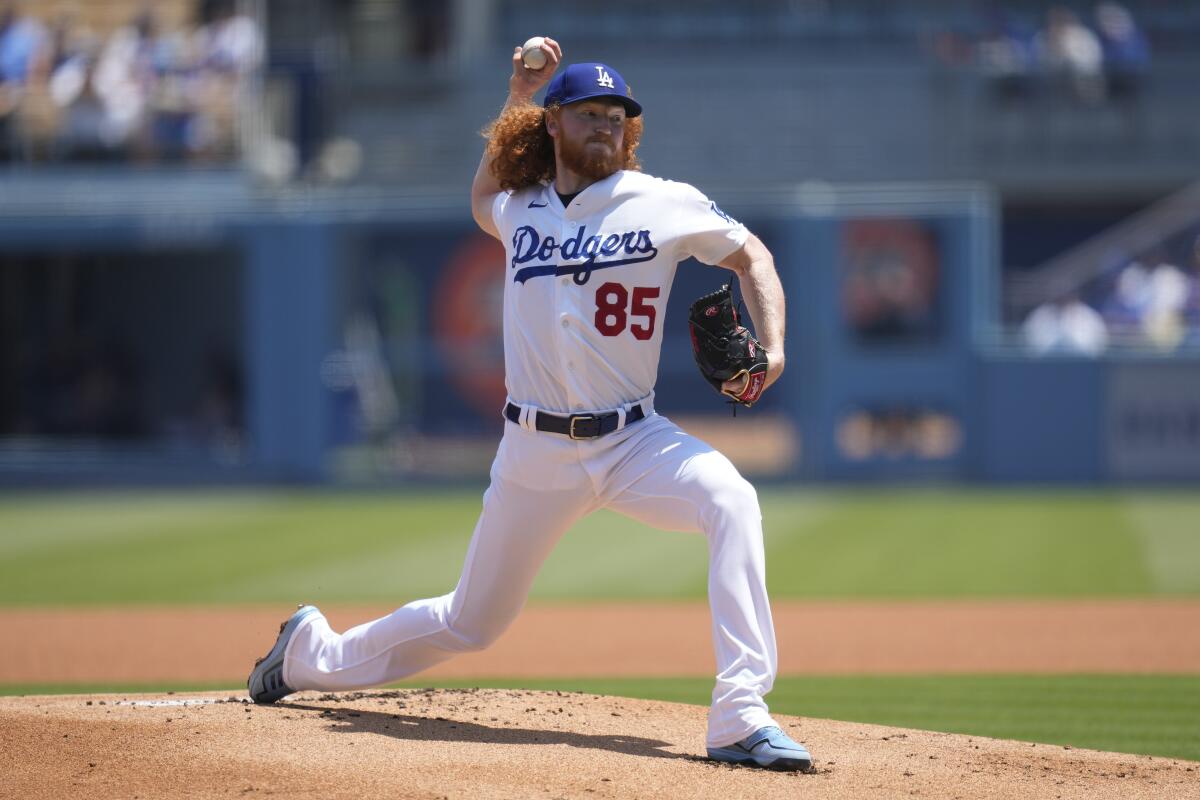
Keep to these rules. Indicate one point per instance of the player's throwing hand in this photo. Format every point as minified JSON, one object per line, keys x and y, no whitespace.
{"x":525,"y":81}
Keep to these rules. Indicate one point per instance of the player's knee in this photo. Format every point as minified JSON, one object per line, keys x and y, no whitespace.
{"x":471,"y":641}
{"x":735,"y":499}
{"x":476,"y":637}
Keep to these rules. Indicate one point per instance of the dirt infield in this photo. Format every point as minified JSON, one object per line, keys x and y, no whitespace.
{"x":509,"y":743}
{"x":212,"y":645}
{"x":517,"y":743}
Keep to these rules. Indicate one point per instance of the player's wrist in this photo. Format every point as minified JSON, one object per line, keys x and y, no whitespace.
{"x":775,"y":361}
{"x":519,"y":93}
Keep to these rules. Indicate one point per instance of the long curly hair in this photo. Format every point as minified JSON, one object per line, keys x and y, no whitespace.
{"x":522,"y":151}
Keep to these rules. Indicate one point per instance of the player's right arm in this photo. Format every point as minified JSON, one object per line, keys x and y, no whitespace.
{"x":523,"y":84}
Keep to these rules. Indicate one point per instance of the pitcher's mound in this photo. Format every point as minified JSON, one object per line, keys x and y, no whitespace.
{"x":484,"y":743}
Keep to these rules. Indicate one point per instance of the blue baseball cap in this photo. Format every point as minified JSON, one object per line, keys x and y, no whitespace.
{"x":588,"y":80}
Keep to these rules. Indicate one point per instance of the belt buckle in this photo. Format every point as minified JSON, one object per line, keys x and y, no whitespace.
{"x":586,"y":418}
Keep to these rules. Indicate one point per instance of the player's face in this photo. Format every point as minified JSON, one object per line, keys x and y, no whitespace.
{"x":589,"y":136}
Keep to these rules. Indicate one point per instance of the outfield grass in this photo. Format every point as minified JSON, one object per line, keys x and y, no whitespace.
{"x":232,"y":547}
{"x":1155,"y":715}
{"x":274,"y":546}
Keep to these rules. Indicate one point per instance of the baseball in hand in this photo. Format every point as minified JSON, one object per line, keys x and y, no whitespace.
{"x":532,"y":54}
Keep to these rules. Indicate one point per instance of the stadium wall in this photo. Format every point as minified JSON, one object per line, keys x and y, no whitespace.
{"x":364,"y":327}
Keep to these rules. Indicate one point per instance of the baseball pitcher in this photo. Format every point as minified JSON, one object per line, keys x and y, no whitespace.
{"x":591,"y":246}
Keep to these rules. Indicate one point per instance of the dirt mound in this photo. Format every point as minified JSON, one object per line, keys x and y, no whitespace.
{"x":509,"y":743}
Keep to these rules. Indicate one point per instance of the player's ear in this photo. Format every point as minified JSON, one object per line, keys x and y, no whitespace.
{"x":551,"y":120}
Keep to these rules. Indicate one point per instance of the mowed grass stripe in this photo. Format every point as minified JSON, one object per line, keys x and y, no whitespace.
{"x":280,"y":546}
{"x":1169,"y":530}
{"x":1155,"y":715}
{"x":28,"y":526}
{"x":960,"y":544}
{"x":267,"y":552}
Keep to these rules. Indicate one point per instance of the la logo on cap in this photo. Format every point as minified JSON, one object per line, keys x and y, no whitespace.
{"x":603,"y":78}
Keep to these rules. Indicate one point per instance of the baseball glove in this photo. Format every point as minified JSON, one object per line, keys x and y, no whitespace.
{"x":725,"y":350}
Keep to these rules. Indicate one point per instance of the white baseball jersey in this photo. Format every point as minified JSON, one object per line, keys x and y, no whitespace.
{"x":585,"y":291}
{"x":587,"y":285}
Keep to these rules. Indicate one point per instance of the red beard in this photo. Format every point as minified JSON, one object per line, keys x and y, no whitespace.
{"x":596,"y":166}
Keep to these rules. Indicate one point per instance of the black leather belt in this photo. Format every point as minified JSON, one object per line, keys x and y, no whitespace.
{"x":577,"y":426}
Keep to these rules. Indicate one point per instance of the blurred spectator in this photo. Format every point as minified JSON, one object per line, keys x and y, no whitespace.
{"x":1158,"y":305}
{"x":230,"y":49}
{"x":1005,"y":55}
{"x":1127,"y":302}
{"x":36,"y":117}
{"x":1089,"y":65}
{"x":232,"y":42}
{"x":172,"y":106}
{"x":1167,"y":291}
{"x":98,"y":109}
{"x":142,"y":92}
{"x":1065,"y":327}
{"x":1071,"y":55}
{"x":1126,"y":51}
{"x":123,"y":77}
{"x":20,"y":39}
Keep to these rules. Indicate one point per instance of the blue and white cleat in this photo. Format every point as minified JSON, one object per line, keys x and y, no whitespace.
{"x":266,"y":679}
{"x":767,"y":747}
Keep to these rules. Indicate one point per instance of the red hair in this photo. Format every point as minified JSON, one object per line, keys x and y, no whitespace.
{"x":521,"y":150}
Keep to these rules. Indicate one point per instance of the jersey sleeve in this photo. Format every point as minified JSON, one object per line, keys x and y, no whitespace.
{"x":499,"y":205}
{"x":703,"y":230}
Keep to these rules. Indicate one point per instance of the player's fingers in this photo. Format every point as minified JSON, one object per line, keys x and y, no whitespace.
{"x":554,"y":48}
{"x":551,"y":60}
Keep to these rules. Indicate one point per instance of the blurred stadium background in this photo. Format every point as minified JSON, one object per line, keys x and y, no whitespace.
{"x":233,"y":240}
{"x":236,"y":251}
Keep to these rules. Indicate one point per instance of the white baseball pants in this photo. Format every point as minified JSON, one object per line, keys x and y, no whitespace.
{"x":541,"y":484}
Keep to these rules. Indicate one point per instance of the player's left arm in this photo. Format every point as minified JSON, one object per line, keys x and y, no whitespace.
{"x":755,"y":268}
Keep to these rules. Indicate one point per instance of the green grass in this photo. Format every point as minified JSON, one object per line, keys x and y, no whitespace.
{"x":1155,"y":715}
{"x":229,"y":547}
{"x":274,"y":546}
